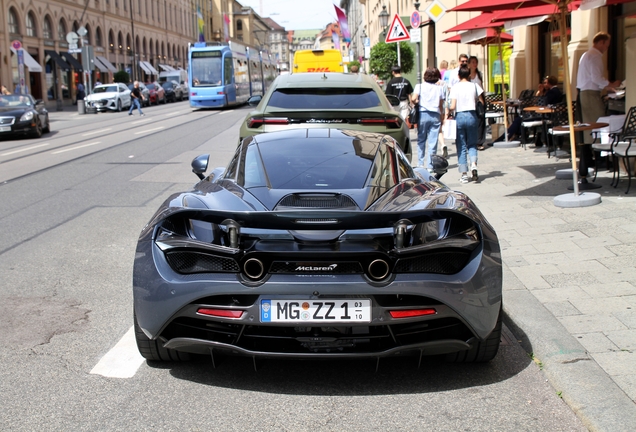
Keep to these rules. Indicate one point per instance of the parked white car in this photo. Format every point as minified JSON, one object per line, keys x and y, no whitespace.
{"x":114,"y":97}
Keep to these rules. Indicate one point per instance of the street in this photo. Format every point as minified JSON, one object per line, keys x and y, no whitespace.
{"x":73,"y":204}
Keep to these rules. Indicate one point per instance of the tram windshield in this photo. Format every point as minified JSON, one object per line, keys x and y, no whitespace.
{"x":206,"y":68}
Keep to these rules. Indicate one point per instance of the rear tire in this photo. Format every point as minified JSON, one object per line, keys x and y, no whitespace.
{"x":47,"y":128}
{"x":153,"y":350}
{"x":481,"y":352}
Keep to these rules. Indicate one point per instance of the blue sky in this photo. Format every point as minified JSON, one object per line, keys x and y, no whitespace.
{"x":296,"y":14}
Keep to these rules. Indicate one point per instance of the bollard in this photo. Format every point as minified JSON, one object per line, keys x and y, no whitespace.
{"x":81,"y":108}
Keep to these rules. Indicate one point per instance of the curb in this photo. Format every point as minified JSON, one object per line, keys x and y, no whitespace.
{"x":584,"y":385}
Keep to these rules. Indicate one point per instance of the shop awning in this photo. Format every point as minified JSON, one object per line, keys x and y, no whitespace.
{"x":145,"y":68}
{"x":106,"y":63}
{"x":57,"y":59}
{"x":151,"y":68}
{"x":166,"y":67}
{"x":99,"y":65}
{"x":29,"y":61}
{"x":72,"y":61}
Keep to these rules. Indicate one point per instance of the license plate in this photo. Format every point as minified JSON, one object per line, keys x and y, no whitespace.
{"x":5,"y":129}
{"x":316,"y":311}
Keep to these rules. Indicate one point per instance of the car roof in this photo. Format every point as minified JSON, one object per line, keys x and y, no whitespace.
{"x":324,"y":79}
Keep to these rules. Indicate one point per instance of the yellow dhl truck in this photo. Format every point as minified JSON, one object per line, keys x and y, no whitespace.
{"x":329,"y":60}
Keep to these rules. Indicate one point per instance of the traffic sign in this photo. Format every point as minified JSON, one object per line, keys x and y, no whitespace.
{"x":16,"y":44}
{"x":397,"y":31}
{"x":416,"y":35}
{"x":416,"y":20}
{"x":436,"y":10}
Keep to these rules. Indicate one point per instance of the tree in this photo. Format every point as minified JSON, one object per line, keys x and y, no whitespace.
{"x":384,"y":57}
{"x":122,"y":77}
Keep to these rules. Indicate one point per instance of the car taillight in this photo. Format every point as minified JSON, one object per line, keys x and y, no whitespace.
{"x":410,"y":313}
{"x":223,"y":313}
{"x":258,"y":122}
{"x":389,"y":122}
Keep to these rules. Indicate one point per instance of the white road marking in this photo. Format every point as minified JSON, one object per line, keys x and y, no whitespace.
{"x":24,"y":149}
{"x":148,"y":130}
{"x":96,"y":132}
{"x":76,"y":147}
{"x":141,"y":121}
{"x":122,"y":361}
{"x":174,"y":113}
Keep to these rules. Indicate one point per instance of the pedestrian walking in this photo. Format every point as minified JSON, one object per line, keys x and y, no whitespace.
{"x":477,"y":78}
{"x":429,"y":98}
{"x":136,"y":98}
{"x":453,"y":77}
{"x":590,"y":82}
{"x":401,"y":88}
{"x":81,"y":94}
{"x":463,"y":96}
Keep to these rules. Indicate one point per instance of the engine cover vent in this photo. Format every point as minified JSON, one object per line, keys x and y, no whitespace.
{"x":317,"y":201}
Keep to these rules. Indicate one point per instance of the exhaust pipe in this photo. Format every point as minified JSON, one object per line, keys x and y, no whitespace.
{"x":253,"y":268}
{"x":378,"y":269}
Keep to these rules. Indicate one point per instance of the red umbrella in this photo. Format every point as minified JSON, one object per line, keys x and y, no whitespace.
{"x":485,"y":20}
{"x":490,"y":38}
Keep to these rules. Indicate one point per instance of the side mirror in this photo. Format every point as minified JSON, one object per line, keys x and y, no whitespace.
{"x":440,"y":166}
{"x":255,"y":100}
{"x":200,"y":165}
{"x":393,"y":100}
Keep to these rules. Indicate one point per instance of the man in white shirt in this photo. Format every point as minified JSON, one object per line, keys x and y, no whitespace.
{"x":454,"y":78}
{"x":590,"y":81}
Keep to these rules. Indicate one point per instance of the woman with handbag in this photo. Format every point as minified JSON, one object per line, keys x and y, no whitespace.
{"x":464,"y":96}
{"x":428,"y":97}
{"x":477,"y":78}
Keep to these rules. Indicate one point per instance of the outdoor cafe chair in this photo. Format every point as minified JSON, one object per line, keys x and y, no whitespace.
{"x":559,"y":117}
{"x":625,"y":149}
{"x":605,"y":140}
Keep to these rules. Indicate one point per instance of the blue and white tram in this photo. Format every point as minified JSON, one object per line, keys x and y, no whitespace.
{"x":224,"y":75}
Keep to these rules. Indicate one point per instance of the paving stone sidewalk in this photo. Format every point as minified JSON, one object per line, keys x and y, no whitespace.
{"x":569,"y":276}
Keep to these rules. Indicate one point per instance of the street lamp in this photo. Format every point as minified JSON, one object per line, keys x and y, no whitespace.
{"x":384,"y":19}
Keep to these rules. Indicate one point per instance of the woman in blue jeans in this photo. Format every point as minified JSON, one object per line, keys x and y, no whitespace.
{"x":429,"y":96}
{"x":463,"y":97}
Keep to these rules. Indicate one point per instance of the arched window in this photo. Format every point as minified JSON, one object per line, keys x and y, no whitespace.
{"x":152,"y":50}
{"x":129,"y":45}
{"x":89,"y":34}
{"x":31,"y":28}
{"x":47,"y":32}
{"x":120,"y":42}
{"x":111,"y":41}
{"x":144,"y":47}
{"x":61,"y":30}
{"x":168,"y":51}
{"x":76,"y":26}
{"x":98,"y":37}
{"x":14,"y":24}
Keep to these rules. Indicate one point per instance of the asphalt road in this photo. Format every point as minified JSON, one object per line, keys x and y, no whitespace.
{"x":70,"y":216}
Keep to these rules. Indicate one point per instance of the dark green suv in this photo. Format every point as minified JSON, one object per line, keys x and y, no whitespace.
{"x":326,"y":101}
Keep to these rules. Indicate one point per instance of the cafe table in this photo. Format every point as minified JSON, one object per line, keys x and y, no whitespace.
{"x":585,"y":149}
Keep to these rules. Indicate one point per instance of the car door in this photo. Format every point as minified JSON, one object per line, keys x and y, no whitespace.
{"x":124,"y":95}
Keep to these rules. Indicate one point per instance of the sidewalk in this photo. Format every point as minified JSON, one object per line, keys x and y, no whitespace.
{"x":569,"y":277}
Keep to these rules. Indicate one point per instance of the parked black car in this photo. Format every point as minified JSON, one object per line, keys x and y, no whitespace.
{"x":173,"y":91}
{"x":23,"y":115}
{"x":318,"y":243}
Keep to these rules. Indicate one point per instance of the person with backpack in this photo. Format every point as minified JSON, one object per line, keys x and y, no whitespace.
{"x":401,"y":88}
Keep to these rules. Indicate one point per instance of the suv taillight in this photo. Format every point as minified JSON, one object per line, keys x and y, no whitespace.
{"x":257,"y":122}
{"x":389,"y":122}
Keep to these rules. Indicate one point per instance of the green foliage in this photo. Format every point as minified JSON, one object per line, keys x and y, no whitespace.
{"x":121,"y":76}
{"x":384,"y":57}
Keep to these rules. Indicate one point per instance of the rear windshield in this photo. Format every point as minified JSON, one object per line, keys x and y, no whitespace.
{"x":324,"y":98}
{"x":311,"y":164}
